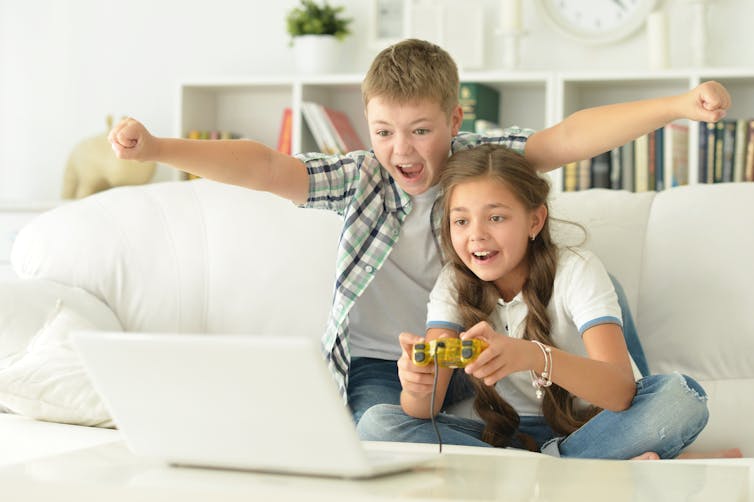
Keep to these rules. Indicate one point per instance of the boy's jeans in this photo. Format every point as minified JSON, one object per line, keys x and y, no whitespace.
{"x":665,"y":416}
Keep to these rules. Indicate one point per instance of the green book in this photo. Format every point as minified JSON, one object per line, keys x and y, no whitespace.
{"x":479,"y":102}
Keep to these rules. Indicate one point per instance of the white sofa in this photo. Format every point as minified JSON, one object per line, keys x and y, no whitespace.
{"x":204,"y":257}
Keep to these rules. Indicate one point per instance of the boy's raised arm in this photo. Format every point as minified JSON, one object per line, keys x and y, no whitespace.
{"x":238,"y":162}
{"x":592,"y":131}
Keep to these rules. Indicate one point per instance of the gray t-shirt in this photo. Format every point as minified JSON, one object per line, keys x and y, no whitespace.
{"x":396,"y":300}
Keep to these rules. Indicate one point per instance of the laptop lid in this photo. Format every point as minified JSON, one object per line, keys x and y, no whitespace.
{"x":252,"y":402}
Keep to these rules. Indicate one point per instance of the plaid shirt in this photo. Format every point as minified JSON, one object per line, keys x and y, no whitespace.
{"x":374,"y":207}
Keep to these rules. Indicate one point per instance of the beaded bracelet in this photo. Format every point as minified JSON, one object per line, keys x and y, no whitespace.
{"x":545,"y":378}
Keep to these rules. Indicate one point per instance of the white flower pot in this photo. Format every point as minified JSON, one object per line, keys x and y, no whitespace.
{"x":317,"y":53}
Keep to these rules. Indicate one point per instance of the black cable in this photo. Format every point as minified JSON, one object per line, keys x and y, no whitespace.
{"x":432,"y":402}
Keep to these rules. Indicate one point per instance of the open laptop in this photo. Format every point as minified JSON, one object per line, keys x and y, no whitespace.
{"x":249,"y":402}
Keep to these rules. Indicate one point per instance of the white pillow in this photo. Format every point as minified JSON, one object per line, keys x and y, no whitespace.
{"x":47,"y":381}
{"x":27,"y":303}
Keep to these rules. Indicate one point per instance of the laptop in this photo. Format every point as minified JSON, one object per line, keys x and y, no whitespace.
{"x":247,"y":402}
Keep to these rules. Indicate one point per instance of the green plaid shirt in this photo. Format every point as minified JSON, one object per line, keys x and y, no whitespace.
{"x":374,"y":207}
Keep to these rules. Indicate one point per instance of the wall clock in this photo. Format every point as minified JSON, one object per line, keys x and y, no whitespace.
{"x":597,"y":21}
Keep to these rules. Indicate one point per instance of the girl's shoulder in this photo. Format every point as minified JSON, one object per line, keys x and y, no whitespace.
{"x":576,"y":260}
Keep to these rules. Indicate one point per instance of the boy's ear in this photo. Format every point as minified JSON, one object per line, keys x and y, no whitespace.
{"x":538,"y":219}
{"x":456,"y":118}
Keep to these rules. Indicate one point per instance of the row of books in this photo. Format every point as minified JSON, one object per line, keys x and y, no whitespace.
{"x":651,"y":162}
{"x":331,"y":129}
{"x":726,"y":151}
{"x":660,"y":159}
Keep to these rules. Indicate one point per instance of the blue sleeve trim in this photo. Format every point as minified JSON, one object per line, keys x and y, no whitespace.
{"x":600,"y":320}
{"x":445,"y":325}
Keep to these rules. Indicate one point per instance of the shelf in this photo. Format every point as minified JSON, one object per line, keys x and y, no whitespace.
{"x":253,"y":106}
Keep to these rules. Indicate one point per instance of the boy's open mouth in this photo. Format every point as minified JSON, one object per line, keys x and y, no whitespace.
{"x":410,"y":171}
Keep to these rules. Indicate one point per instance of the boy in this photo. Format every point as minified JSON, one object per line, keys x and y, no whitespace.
{"x":388,"y":257}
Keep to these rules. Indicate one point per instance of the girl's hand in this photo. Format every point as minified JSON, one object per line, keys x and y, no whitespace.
{"x":503,"y":356}
{"x":415,"y":379}
{"x":709,"y":102}
{"x":131,"y":140}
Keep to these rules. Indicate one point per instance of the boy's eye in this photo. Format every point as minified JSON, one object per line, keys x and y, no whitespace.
{"x":382,"y":133}
{"x":421,"y":131}
{"x":497,"y":218}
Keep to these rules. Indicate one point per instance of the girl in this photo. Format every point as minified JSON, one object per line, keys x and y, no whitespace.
{"x":556,"y":375}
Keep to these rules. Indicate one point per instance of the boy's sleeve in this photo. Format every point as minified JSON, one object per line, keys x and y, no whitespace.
{"x":590,"y":295}
{"x":332,"y":179}
{"x":442,"y":309}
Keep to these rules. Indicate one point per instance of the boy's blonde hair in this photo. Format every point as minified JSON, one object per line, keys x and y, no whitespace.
{"x":413,"y":70}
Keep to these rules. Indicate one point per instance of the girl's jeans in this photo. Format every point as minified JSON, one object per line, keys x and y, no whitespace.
{"x":665,"y":416}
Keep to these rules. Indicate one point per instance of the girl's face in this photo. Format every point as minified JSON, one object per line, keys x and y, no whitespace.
{"x":490,"y":230}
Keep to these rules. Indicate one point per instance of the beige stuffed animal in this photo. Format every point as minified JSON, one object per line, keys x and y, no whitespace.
{"x":92,"y":167}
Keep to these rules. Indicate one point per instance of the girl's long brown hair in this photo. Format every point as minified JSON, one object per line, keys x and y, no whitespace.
{"x":477,"y":298}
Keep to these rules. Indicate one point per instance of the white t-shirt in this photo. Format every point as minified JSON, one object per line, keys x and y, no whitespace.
{"x":396,"y":299}
{"x":583,"y":296}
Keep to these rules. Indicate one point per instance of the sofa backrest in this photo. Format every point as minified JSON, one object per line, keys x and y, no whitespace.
{"x":193,"y":256}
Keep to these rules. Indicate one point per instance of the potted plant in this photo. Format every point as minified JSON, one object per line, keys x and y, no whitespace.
{"x":316,"y":31}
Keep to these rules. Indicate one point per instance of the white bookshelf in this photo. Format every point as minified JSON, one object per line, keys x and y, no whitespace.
{"x":253,"y":106}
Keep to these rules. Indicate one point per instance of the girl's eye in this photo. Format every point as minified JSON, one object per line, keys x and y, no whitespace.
{"x":459,"y":222}
{"x":497,"y":218}
{"x":382,"y":133}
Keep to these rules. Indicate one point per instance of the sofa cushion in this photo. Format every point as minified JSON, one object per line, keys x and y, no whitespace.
{"x":695,"y":310}
{"x":28,"y":303}
{"x":47,"y":380}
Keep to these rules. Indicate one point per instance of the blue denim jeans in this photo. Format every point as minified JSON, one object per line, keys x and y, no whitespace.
{"x":666,"y":415}
{"x":375,"y":381}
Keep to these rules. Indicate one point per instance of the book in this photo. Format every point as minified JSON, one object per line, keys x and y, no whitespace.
{"x":584,"y":174}
{"x":627,"y":166}
{"x":676,"y":154}
{"x":600,"y":171}
{"x":702,"y":162}
{"x":659,"y":159}
{"x":739,"y":155}
{"x":346,"y":137}
{"x":318,"y":126}
{"x":479,"y":102}
{"x":616,"y":170}
{"x":286,"y":126}
{"x":641,"y":163}
{"x":717,"y":152}
{"x":711,"y":148}
{"x":749,"y":164}
{"x":571,"y":177}
{"x":728,"y":150}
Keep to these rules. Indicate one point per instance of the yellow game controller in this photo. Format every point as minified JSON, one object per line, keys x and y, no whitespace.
{"x":450,"y":352}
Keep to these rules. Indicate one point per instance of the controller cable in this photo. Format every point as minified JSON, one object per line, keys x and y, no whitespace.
{"x":432,"y":399}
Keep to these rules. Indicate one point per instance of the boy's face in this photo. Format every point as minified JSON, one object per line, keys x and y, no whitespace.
{"x":412,"y":140}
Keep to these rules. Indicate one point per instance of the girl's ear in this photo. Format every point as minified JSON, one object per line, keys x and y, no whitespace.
{"x":538,"y":219}
{"x":456,"y":119}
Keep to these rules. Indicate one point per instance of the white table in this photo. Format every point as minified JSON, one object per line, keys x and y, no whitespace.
{"x":110,"y":472}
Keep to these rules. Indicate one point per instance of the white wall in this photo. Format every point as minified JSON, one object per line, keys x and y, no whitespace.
{"x":66,"y":64}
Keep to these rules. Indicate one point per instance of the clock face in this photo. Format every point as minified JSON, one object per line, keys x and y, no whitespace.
{"x":597,"y":21}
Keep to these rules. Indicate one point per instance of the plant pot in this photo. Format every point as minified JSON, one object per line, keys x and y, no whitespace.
{"x":317,"y":53}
